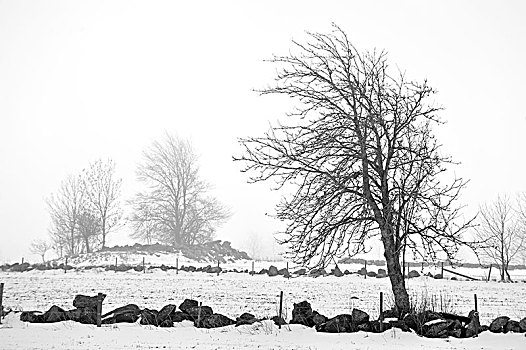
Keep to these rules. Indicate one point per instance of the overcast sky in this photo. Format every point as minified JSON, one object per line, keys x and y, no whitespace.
{"x":103,"y":79}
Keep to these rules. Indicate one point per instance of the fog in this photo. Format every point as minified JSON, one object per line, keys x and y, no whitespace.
{"x":81,"y":81}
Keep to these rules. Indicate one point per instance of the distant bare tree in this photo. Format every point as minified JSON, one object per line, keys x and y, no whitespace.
{"x":102,"y":190}
{"x":175,"y":203}
{"x":89,"y":229}
{"x":359,"y":158}
{"x":66,"y":208}
{"x":40,"y":247}
{"x":502,"y":234}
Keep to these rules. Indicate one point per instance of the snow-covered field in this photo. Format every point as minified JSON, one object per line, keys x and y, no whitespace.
{"x":232,"y":294}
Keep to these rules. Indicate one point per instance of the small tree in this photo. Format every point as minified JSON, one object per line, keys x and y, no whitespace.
{"x":40,"y":247}
{"x":359,"y":158}
{"x":175,"y":204}
{"x":102,"y":190}
{"x":502,"y":233}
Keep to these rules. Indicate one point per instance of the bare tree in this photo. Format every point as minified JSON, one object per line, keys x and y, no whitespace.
{"x":360,"y":159}
{"x":175,"y":203}
{"x":502,"y":233}
{"x":40,"y":247}
{"x":102,"y":191}
{"x":66,"y":208}
{"x":89,"y":229}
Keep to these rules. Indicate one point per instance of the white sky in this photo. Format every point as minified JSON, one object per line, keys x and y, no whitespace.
{"x":84,"y":80}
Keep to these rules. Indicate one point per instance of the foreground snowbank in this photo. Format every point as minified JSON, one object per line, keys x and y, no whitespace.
{"x":264,"y":335}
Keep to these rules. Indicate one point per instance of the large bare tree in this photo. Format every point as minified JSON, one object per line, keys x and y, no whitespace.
{"x":66,"y":208}
{"x":501,"y":230}
{"x":102,"y":190}
{"x":40,"y":247}
{"x":175,"y":207}
{"x":357,"y":159}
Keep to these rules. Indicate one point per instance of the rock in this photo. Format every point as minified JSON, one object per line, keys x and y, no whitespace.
{"x":522,"y":324}
{"x":371,"y":274}
{"x":187,"y":304}
{"x":163,"y":317}
{"x":54,"y":314}
{"x":278,"y":321}
{"x":436,"y":329}
{"x":31,"y":316}
{"x":438,"y":276}
{"x":473,"y":327}
{"x":455,"y":329}
{"x":284,"y":272}
{"x":390,"y":313}
{"x":20,"y":267}
{"x":339,"y":324}
{"x":359,"y":316}
{"x":318,"y":318}
{"x":317,"y":272}
{"x":195,"y":314}
{"x":412,"y":322}
{"x":129,"y":314}
{"x":272,"y":271}
{"x":337,"y":272}
{"x":398,"y":324}
{"x":84,"y":315}
{"x":300,"y":272}
{"x":364,"y":327}
{"x":413,"y":274}
{"x":346,"y":272}
{"x":83,"y":301}
{"x":362,"y":271}
{"x":263,"y":272}
{"x":454,"y":278}
{"x":216,"y":320}
{"x":302,"y":314}
{"x":215,"y":269}
{"x":512,"y":326}
{"x":498,"y":324}
{"x":381,"y":273}
{"x":245,"y":318}
{"x":149,"y":317}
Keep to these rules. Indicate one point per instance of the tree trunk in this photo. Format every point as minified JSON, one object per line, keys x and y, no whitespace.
{"x":395,"y":273}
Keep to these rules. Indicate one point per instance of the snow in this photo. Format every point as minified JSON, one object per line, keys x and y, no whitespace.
{"x":232,"y":294}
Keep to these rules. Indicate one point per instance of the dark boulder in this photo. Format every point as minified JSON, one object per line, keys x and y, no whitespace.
{"x":390,"y":313}
{"x":199,"y":313}
{"x":302,"y":314}
{"x":359,"y":316}
{"x":413,"y":274}
{"x":381,"y":273}
{"x":245,"y":318}
{"x":438,"y":276}
{"x":124,"y":314}
{"x":149,"y":317}
{"x":339,"y":324}
{"x":512,"y":326}
{"x":54,"y":314}
{"x":216,"y":320}
{"x":163,"y":317}
{"x":272,"y":271}
{"x":362,"y":271}
{"x":522,"y":324}
{"x":398,"y":324}
{"x":498,"y":324}
{"x":215,"y":269}
{"x":455,"y":329}
{"x":318,"y":318}
{"x":278,"y":321}
{"x":263,"y":272}
{"x":31,"y":316}
{"x":84,"y":315}
{"x":337,"y":272}
{"x":84,"y":301}
{"x":317,"y":272}
{"x":284,"y":272}
{"x":371,"y":274}
{"x":473,"y":327}
{"x":300,"y":272}
{"x":187,"y":304}
{"x":436,"y":329}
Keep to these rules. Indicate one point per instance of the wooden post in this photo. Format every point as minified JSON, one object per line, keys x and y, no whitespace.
{"x":280,"y":308}
{"x":65,"y":265}
{"x":442,"y":269}
{"x":115,"y":264}
{"x":477,"y":322}
{"x":253,"y":273}
{"x":489,"y":273}
{"x":1,"y":297}
{"x":408,"y":268}
{"x":288,"y":273}
{"x":22,"y":260}
{"x":218,"y":268}
{"x":99,"y":309}
{"x":365,"y":262}
{"x":199,"y":314}
{"x":422,"y":267}
{"x":143,"y":267}
{"x":381,"y":312}
{"x":176,"y":266}
{"x":476,"y":304}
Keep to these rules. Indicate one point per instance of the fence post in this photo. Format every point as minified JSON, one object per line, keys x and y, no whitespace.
{"x":422,"y":267}
{"x":408,"y":268}
{"x":381,"y":312}
{"x":280,"y":308}
{"x":176,"y":266}
{"x":365,"y":276}
{"x":476,"y":304}
{"x":22,"y":260}
{"x":99,"y":309}
{"x":442,"y":269}
{"x":253,"y":268}
{"x":218,"y":268}
{"x":477,"y":322}
{"x":199,"y":314}
{"x":66,"y":265}
{"x":115,"y":264}
{"x":143,"y":267}
{"x":1,"y":298}
{"x":489,"y":273}
{"x":288,"y":272}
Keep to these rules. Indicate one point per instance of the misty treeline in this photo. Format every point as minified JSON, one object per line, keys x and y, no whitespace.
{"x":501,"y":231}
{"x":172,"y":208}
